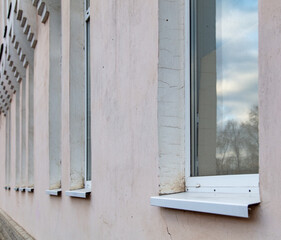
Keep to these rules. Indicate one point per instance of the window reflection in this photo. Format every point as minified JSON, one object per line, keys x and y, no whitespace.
{"x":87,"y":4}
{"x":225,"y":40}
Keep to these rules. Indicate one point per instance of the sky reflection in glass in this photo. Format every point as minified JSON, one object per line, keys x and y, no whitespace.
{"x":226,"y":80}
{"x":237,"y":59}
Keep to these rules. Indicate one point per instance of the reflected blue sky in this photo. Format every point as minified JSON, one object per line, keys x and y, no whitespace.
{"x":237,"y":58}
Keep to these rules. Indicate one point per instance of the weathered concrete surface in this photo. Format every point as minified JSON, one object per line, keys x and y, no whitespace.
{"x":171,"y":96}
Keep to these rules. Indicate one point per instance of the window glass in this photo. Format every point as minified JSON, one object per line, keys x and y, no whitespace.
{"x":88,"y":104}
{"x":87,"y":4}
{"x":224,"y":51}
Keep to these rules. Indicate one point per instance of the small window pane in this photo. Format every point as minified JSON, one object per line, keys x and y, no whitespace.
{"x":225,"y":87}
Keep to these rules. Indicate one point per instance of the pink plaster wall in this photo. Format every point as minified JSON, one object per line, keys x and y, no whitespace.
{"x":124,"y":138}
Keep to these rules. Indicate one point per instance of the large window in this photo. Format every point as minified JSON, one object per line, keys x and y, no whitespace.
{"x":208,"y":106}
{"x":224,"y":87}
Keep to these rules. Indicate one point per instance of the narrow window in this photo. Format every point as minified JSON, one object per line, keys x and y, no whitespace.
{"x":30,"y":127}
{"x":8,"y":150}
{"x":79,"y":100}
{"x":18,"y":141}
{"x":87,"y":97}
{"x":23,"y":133}
{"x":55,"y":99}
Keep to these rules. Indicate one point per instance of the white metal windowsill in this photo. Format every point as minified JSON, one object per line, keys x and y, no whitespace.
{"x":231,"y":204}
{"x":29,"y":189}
{"x":79,"y":193}
{"x":54,"y":192}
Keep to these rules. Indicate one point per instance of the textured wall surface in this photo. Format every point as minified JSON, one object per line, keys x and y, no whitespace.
{"x":125,"y":138}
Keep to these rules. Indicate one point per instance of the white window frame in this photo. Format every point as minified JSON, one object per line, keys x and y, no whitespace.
{"x":221,"y":194}
{"x":241,"y":183}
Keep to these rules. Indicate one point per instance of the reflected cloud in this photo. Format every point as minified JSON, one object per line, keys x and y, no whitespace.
{"x":235,"y":83}
{"x":237,"y":54}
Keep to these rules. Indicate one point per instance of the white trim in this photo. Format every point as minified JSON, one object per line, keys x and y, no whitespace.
{"x":86,"y":10}
{"x":88,"y":184}
{"x":87,"y":15}
{"x":206,"y":183}
{"x":54,"y":192}
{"x":236,"y":205}
{"x":244,"y":182}
{"x":79,"y":193}
{"x":29,"y":190}
{"x":187,"y":90}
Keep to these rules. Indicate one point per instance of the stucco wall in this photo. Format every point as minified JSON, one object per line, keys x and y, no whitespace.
{"x":125,"y":140}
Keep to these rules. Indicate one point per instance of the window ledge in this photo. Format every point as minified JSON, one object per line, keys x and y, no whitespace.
{"x":79,"y":193}
{"x":31,"y":189}
{"x":54,"y":192}
{"x":231,"y":204}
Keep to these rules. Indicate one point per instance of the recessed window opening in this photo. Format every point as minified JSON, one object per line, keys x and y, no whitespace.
{"x":87,"y":97}
{"x":208,"y":130}
{"x":8,"y":150}
{"x":9,"y":11}
{"x":1,"y":52}
{"x":18,"y":141}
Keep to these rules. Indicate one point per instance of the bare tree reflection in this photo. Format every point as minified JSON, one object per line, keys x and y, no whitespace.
{"x":238,"y":146}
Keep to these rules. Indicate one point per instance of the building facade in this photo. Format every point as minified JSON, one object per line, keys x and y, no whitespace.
{"x":118,"y":119}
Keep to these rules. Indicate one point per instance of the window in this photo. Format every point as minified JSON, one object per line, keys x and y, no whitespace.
{"x":55,"y":97}
{"x":23,"y":136}
{"x":80,"y":100}
{"x":224,"y":91}
{"x":18,"y":154}
{"x":87,"y":98}
{"x":8,"y":152}
{"x":218,"y":138}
